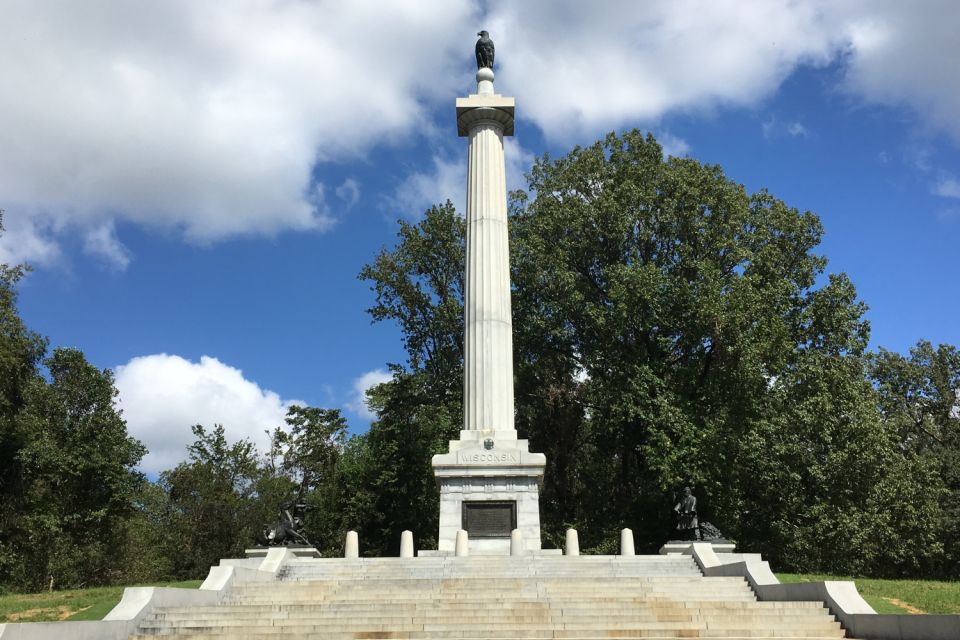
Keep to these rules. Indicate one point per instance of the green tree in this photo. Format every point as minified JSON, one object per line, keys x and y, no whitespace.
{"x":669,"y":330}
{"x":21,"y":351}
{"x":309,"y":450}
{"x":78,"y":473}
{"x":311,"y":444}
{"x":387,"y":484}
{"x":691,"y":308}
{"x":213,"y":505}
{"x":419,"y":285}
{"x":384,"y":482}
{"x":146,"y":552}
{"x":919,"y":398}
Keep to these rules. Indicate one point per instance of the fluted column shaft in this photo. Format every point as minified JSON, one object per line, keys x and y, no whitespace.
{"x":488,"y":375}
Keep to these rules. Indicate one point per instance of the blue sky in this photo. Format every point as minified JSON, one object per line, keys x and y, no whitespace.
{"x":198,"y":184}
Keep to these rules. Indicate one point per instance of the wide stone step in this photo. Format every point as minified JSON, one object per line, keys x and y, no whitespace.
{"x":692,"y":591}
{"x":494,"y":598}
{"x":688,"y":608}
{"x":506,"y":630}
{"x":313,"y":634}
{"x":482,"y":616}
{"x":440,"y":630}
{"x":500,"y":598}
{"x":276,"y":635}
{"x":499,"y":579}
{"x":517,"y":571}
{"x":418,"y":580}
{"x":691,"y":607}
{"x":482,"y":576}
{"x":456,"y":594}
{"x":503,"y":602}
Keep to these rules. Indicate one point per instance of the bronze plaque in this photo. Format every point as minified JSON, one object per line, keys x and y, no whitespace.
{"x":489,"y":519}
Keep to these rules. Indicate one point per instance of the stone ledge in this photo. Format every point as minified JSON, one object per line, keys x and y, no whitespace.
{"x":298,"y":552}
{"x":841,"y":598}
{"x":482,"y":107}
{"x":678,"y":547}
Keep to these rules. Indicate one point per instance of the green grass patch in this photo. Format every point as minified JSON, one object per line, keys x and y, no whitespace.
{"x":897,"y":596}
{"x":73,"y":604}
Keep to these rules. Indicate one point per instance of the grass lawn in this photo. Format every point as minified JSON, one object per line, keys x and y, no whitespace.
{"x":75,"y":604}
{"x":897,"y":596}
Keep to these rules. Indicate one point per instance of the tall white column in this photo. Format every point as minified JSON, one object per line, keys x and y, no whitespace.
{"x":488,"y":361}
{"x":488,"y":463}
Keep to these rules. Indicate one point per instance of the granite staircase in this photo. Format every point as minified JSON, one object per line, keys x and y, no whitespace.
{"x":494,"y":597}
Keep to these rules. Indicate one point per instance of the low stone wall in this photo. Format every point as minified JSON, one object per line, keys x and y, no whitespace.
{"x":841,"y":597}
{"x":137,"y":602}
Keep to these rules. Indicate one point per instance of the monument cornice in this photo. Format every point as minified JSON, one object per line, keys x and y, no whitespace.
{"x":476,"y":109}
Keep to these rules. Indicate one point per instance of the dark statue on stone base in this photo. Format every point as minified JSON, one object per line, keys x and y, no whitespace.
{"x":686,"y":511}
{"x":288,"y":529}
{"x":689,"y":527}
{"x":484,"y":51}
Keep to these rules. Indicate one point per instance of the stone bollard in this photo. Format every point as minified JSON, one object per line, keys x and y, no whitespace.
{"x":516,"y":543}
{"x":352,"y":547}
{"x":626,"y":543}
{"x":572,"y":547}
{"x":462,"y":549}
{"x":406,"y":544}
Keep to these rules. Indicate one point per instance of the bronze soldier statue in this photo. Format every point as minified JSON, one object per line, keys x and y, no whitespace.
{"x":686,"y":511}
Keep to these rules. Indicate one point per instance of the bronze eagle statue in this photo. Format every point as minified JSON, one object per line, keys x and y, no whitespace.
{"x":484,"y":51}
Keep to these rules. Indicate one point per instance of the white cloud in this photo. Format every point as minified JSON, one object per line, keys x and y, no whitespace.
{"x":349,"y":192}
{"x":518,"y":162}
{"x":947,"y":187}
{"x":904,"y":53}
{"x":101,"y":241}
{"x":27,"y":239}
{"x":446,"y":180}
{"x":360,"y":386}
{"x":209,"y":117}
{"x":773,"y":127}
{"x":582,"y":69}
{"x":163,"y":395}
{"x":797,"y":130}
{"x":672,"y":145}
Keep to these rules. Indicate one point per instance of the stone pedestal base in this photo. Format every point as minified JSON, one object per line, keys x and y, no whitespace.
{"x":300,"y":552}
{"x":487,"y":466}
{"x":684,"y":547}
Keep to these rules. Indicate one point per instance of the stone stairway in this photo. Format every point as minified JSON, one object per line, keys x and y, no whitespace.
{"x":494,"y":597}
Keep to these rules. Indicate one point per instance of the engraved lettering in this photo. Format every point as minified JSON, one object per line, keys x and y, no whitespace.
{"x":490,"y":457}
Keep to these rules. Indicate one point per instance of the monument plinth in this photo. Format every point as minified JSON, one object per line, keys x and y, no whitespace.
{"x":489,"y":481}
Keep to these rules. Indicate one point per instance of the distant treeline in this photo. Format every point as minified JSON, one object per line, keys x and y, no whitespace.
{"x":670,"y":329}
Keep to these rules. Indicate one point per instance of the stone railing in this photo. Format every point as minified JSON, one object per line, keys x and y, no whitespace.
{"x":841,"y":597}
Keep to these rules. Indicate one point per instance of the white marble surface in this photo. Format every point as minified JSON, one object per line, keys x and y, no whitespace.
{"x":488,"y":462}
{"x":488,"y":358}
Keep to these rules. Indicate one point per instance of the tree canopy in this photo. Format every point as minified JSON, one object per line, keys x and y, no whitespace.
{"x":671,"y":329}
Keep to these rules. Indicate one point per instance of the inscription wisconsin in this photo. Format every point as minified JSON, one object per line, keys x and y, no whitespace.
{"x":488,"y":457}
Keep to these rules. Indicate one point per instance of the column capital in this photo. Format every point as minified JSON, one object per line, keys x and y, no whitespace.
{"x":477,"y":107}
